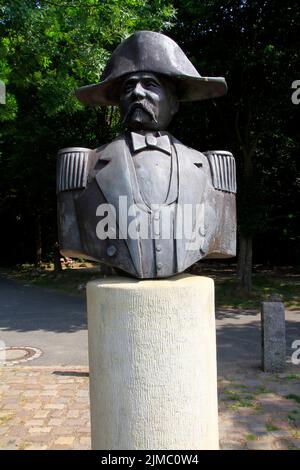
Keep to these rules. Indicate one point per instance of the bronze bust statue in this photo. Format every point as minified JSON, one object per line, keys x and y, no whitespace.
{"x":145,"y":203}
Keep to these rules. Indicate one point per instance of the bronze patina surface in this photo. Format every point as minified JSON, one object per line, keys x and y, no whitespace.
{"x":146,"y":203}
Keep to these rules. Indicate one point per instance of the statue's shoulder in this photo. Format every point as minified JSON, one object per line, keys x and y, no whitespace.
{"x":75,"y":165}
{"x":72,"y":168}
{"x":219,"y":163}
{"x":223,"y":170}
{"x":101,"y":155}
{"x":119,"y":141}
{"x":193,"y":155}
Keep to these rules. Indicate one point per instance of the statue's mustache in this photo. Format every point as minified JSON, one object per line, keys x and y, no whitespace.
{"x":144,"y":106}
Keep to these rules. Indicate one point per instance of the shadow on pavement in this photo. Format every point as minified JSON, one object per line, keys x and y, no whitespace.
{"x":29,"y":308}
{"x":70,"y":373}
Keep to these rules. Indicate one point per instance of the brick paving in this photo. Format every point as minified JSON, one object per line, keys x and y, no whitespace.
{"x":44,"y":408}
{"x":48,"y":408}
{"x":259,"y":410}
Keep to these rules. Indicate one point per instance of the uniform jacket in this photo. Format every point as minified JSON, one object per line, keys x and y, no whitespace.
{"x":87,"y":179}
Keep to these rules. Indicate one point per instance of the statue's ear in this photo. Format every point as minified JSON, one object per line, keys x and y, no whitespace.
{"x":174,"y":106}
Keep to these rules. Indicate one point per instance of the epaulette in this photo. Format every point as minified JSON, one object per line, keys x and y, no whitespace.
{"x":223,"y":172}
{"x":72,"y":168}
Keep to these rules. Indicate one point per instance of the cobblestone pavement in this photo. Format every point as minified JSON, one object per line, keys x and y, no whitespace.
{"x":48,"y":408}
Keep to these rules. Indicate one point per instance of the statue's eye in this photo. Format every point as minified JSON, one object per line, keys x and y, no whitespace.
{"x":128,"y":87}
{"x":150,"y":84}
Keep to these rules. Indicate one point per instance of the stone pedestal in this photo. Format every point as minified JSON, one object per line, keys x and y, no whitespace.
{"x":273,"y":336}
{"x":152,"y":354}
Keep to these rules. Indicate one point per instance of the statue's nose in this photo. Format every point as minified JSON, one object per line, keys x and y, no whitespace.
{"x":139,"y":91}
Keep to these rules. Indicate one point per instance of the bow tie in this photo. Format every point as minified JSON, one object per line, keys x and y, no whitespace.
{"x":140,"y":142}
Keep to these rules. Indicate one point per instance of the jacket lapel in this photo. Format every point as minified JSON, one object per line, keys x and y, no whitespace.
{"x":193,"y":174}
{"x":114,"y":181}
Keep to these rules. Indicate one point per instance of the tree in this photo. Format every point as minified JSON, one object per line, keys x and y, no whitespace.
{"x":47,"y":50}
{"x":255,"y":45}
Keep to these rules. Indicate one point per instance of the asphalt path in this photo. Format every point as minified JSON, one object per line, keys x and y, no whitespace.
{"x":56,"y":323}
{"x":41,"y":318}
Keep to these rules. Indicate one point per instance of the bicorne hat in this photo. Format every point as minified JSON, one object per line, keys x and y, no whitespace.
{"x":147,"y":51}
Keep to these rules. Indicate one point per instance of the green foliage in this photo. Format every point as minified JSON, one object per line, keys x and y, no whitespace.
{"x":9,"y":111}
{"x":271,"y":428}
{"x":293,"y":377}
{"x":264,"y":284}
{"x":53,"y":47}
{"x":294,"y":397}
{"x":255,"y":45}
{"x":48,"y":49}
{"x":251,"y":437}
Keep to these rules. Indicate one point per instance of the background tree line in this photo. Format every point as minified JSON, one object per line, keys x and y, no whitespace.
{"x":49,"y":48}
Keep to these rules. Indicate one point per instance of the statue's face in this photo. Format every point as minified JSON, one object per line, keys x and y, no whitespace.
{"x":147,"y":102}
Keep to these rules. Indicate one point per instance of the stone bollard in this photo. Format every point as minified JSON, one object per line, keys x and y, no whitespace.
{"x":273,"y":336}
{"x":152,"y":355}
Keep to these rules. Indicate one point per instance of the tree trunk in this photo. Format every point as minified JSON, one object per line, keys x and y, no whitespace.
{"x":102,"y":127}
{"x":56,"y":258}
{"x":244,"y":268}
{"x":248,"y":144}
{"x":38,"y":241}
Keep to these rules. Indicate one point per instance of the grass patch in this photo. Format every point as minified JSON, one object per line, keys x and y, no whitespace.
{"x":261,"y":389}
{"x":5,"y":419}
{"x":292,"y":377}
{"x":243,"y":403}
{"x":227,"y":294}
{"x":258,"y":409}
{"x":240,"y":386}
{"x":250,"y":437}
{"x":231,"y":393}
{"x":240,"y":400}
{"x":68,"y":280}
{"x":293,"y":396}
{"x":288,"y":287}
{"x":293,"y":415}
{"x":270,"y":427}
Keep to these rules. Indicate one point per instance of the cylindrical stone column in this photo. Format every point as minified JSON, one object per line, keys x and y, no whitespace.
{"x":152,"y":355}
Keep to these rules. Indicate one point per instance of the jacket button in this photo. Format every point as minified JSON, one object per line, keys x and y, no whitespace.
{"x":159,"y":265}
{"x":158,"y":248}
{"x":111,"y":250}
